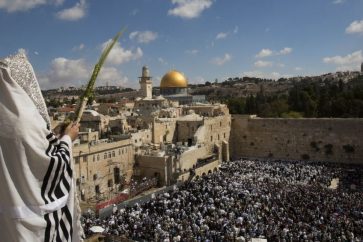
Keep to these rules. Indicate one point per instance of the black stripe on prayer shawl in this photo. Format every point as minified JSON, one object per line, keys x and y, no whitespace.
{"x":58,"y":175}
{"x":46,"y":180}
{"x":62,"y":165}
{"x":47,"y":229}
{"x":50,"y":168}
{"x":64,"y":229}
{"x":69,"y":219}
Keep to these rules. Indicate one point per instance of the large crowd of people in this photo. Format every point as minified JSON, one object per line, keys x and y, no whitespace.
{"x":245,"y":199}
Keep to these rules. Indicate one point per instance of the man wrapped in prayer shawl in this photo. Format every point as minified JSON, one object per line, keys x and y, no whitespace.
{"x":37,"y":189}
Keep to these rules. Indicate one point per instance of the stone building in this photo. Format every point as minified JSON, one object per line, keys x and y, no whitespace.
{"x":101,"y":168}
{"x":153,"y":137}
{"x":174,"y":86}
{"x":173,"y":83}
{"x":145,"y":83}
{"x":186,"y":140}
{"x":187,"y":145}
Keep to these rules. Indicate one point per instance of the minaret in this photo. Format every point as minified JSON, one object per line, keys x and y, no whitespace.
{"x":146,"y":83}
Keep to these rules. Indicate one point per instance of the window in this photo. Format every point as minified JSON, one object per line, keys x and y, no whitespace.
{"x":218,"y":136}
{"x":113,"y":153}
{"x":220,"y":124}
{"x":97,"y":189}
{"x":211,"y":138}
{"x":122,"y":151}
{"x":119,"y":151}
{"x":98,"y":157}
{"x":94,"y":157}
{"x":76,"y":160}
{"x":224,"y":135}
{"x":85,"y":158}
{"x":109,"y":154}
{"x":110,"y":183}
{"x":105,"y":155}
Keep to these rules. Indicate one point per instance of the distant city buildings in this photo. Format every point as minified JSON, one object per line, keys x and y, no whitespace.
{"x":168,"y":137}
{"x":171,"y":136}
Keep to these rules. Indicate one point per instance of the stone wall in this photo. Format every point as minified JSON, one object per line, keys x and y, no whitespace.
{"x":163,"y":130}
{"x":150,"y":166}
{"x":190,"y":157}
{"x":335,"y":140}
{"x":95,"y":166}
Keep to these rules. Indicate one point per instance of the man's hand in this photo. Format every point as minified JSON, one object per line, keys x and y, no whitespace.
{"x":72,"y":130}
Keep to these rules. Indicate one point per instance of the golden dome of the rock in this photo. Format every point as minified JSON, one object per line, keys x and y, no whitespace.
{"x":173,"y":79}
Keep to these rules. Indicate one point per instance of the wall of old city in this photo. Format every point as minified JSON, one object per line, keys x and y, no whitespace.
{"x":153,"y":166}
{"x":335,"y":140}
{"x":200,"y":171}
{"x":190,"y":157}
{"x":95,"y":165}
{"x":163,"y":130}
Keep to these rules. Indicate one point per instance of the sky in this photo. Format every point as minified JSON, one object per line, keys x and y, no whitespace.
{"x":204,"y":39}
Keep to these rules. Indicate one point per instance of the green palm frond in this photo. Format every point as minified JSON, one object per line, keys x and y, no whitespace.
{"x":91,"y":83}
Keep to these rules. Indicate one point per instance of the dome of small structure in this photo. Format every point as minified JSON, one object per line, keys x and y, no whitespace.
{"x":173,"y":79}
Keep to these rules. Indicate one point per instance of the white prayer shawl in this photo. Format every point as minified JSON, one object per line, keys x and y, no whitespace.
{"x":37,"y":189}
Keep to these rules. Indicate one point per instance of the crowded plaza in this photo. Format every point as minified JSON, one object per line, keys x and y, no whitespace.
{"x":245,"y":199}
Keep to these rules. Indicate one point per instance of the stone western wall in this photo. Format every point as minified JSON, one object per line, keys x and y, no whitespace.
{"x":334,"y":140}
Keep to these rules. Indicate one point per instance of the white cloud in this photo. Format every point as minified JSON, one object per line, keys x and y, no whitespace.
{"x":198,"y":80}
{"x":338,"y":1}
{"x":189,"y":9}
{"x":20,"y":5}
{"x":298,"y":68}
{"x":264,"y":53}
{"x":111,"y":76}
{"x":267,"y":52}
{"x":143,"y":36}
{"x":57,"y":2}
{"x":162,"y":61}
{"x":134,"y":12}
{"x":355,"y":27}
{"x":235,"y":30}
{"x":24,"y":5}
{"x":221,"y":60}
{"x":74,"y":13}
{"x":36,"y":53}
{"x":79,"y":47}
{"x":285,"y":51}
{"x":349,"y":62}
{"x":66,"y":72}
{"x":119,"y":55}
{"x":281,"y":65}
{"x":192,"y":52}
{"x":221,"y":35}
{"x":261,"y":63}
{"x":76,"y":72}
{"x":260,"y":74}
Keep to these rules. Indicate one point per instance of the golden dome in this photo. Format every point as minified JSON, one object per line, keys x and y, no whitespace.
{"x":173,"y":79}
